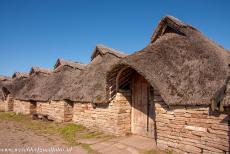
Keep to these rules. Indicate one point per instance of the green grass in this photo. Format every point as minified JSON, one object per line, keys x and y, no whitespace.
{"x":68,"y":132}
{"x":11,"y":116}
{"x":65,"y":130}
{"x":170,"y":152}
{"x":150,"y":152}
{"x":88,"y":148}
{"x":89,"y":135}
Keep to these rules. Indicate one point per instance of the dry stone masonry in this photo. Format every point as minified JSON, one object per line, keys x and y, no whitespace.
{"x":113,"y":118}
{"x":24,"y":107}
{"x":196,"y":129}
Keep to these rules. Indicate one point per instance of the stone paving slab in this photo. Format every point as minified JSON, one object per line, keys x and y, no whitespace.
{"x":138,"y":142}
{"x":124,"y":145}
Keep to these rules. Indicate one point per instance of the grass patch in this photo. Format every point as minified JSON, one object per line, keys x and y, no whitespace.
{"x":65,"y":130}
{"x":170,"y":151}
{"x":150,"y":152}
{"x":88,"y":149}
{"x":68,"y":132}
{"x":11,"y":116}
{"x":91,"y":135}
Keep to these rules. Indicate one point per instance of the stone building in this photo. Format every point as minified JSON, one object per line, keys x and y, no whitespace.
{"x":11,"y":87}
{"x":25,"y":101}
{"x":88,"y":88}
{"x":179,"y":87}
{"x":3,"y":81}
{"x":43,"y":84}
{"x":176,"y":91}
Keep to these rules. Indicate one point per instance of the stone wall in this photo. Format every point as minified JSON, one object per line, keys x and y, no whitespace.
{"x":43,"y":108}
{"x":24,"y":107}
{"x":113,"y":118}
{"x":59,"y":111}
{"x":195,"y":129}
{"x":9,"y":103}
{"x":2,"y":106}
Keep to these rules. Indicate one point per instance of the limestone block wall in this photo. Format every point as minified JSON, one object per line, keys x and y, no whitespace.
{"x":195,"y":129}
{"x":113,"y":118}
{"x":9,"y":103}
{"x":56,"y":111}
{"x":59,"y":111}
{"x":23,"y":107}
{"x":43,"y":108}
{"x":2,"y":106}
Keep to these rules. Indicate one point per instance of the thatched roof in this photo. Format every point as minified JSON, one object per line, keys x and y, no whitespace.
{"x":185,"y":66}
{"x":90,"y":84}
{"x":42,"y":87}
{"x":3,"y":81}
{"x":61,"y":62}
{"x":36,"y":70}
{"x":20,"y":75}
{"x":37,"y":80}
{"x":5,"y":78}
{"x":102,"y":50}
{"x":14,"y":85}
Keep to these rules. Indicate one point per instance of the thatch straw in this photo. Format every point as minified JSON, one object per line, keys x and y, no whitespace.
{"x":37,"y":70}
{"x":42,"y":86}
{"x":185,"y":66}
{"x":20,"y":75}
{"x":90,"y":85}
{"x":61,"y":62}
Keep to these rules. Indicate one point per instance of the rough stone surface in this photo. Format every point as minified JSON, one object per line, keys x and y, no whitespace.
{"x":24,"y":107}
{"x":113,"y":118}
{"x":2,"y":105}
{"x":191,"y":129}
{"x":59,"y":111}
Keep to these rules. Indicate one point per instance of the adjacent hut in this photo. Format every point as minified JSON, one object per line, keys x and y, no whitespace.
{"x":178,"y":86}
{"x":64,"y":72}
{"x":12,"y":87}
{"x":88,"y":92}
{"x":3,"y":80}
{"x":26,"y":98}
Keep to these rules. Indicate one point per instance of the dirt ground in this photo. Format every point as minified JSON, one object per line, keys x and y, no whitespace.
{"x":14,"y":137}
{"x":21,"y":134}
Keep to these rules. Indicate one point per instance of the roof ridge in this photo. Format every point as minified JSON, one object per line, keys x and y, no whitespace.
{"x":36,"y":69}
{"x":103,"y":49}
{"x":171,"y":22}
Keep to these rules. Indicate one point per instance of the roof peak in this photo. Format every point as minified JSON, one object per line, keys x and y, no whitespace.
{"x":35,"y":69}
{"x":20,"y":75}
{"x":172,"y":23}
{"x":62,"y":62}
{"x":4,"y":78}
{"x":102,"y":50}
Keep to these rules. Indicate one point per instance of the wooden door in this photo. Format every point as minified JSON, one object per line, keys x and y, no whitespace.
{"x":142,"y":108}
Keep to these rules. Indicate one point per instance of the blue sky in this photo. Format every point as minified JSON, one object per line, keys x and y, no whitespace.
{"x":37,"y":32}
